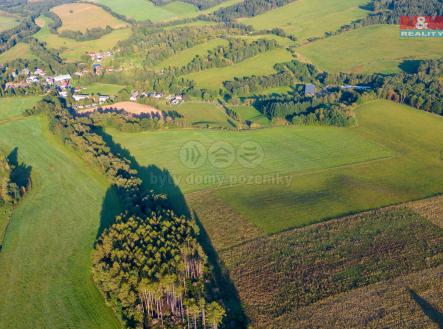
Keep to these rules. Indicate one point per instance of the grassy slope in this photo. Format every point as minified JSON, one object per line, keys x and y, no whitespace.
{"x":249,"y":113}
{"x":309,"y":18}
{"x":376,"y":48}
{"x":83,"y":16}
{"x":46,"y":270}
{"x":286,"y":149}
{"x":261,"y":64}
{"x":184,"y":57}
{"x":288,"y":276}
{"x":20,"y":50}
{"x":331,"y":168}
{"x":199,"y":113}
{"x":101,"y":88}
{"x":72,"y":50}
{"x":143,"y":10}
{"x":415,"y":171}
{"x":7,"y":21}
{"x":14,"y":106}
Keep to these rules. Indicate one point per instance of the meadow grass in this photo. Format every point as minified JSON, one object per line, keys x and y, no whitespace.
{"x":101,"y":88}
{"x":183,"y":57}
{"x":249,"y":113}
{"x":286,"y":149}
{"x":83,"y":16}
{"x":7,"y":21}
{"x":376,"y":48}
{"x":309,"y":18}
{"x":45,"y":261}
{"x":392,"y":156}
{"x":203,"y":114}
{"x":142,"y":10}
{"x":20,"y":50}
{"x":414,"y":171}
{"x":72,"y":50}
{"x":261,"y":64}
{"x":11,"y":107}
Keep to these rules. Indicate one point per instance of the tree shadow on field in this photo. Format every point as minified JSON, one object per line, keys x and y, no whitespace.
{"x":226,"y":288}
{"x":160,"y":181}
{"x":431,"y":312}
{"x":410,"y":66}
{"x":20,"y":173}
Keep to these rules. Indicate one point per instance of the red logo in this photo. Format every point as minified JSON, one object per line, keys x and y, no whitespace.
{"x":421,"y":23}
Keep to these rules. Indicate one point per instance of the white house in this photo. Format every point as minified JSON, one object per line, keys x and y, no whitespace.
{"x":80,"y":97}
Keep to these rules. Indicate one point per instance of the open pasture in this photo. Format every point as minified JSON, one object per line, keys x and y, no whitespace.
{"x":413,"y":138}
{"x":83,"y":16}
{"x":250,"y":114}
{"x":72,"y":50}
{"x":7,"y":21}
{"x":286,"y":149}
{"x":183,"y":57}
{"x":201,"y":114}
{"x":20,"y":50}
{"x":309,"y":18}
{"x":142,"y":10}
{"x":331,"y":171}
{"x":376,"y":48}
{"x":13,"y":107}
{"x":45,"y":261}
{"x":101,"y":88}
{"x":261,"y":64}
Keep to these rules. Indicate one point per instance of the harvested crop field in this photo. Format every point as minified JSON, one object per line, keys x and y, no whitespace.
{"x":133,"y":108}
{"x":83,"y":16}
{"x":286,"y":280}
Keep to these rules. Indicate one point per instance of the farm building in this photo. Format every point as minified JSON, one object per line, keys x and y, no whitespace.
{"x":309,"y":89}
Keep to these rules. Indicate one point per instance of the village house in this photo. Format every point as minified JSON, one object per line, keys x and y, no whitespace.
{"x":103,"y":98}
{"x":309,"y":89}
{"x":80,"y":97}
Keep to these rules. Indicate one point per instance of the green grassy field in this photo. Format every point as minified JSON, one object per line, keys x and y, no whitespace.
{"x":182,"y":58}
{"x":145,"y":10}
{"x":349,"y":52}
{"x":412,"y":136}
{"x":203,"y":114}
{"x":261,"y":64}
{"x":84,"y":16}
{"x":101,"y":88}
{"x":249,"y":113}
{"x":20,"y":50}
{"x":11,"y":107}
{"x":331,"y":171}
{"x":72,"y":50}
{"x":284,"y":42}
{"x":7,"y":21}
{"x":309,"y":18}
{"x":287,"y":150}
{"x":45,"y":262}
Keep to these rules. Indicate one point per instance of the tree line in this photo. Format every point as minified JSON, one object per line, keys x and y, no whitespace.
{"x":247,"y":8}
{"x":154,"y":44}
{"x":10,"y":38}
{"x":236,"y":51}
{"x":148,"y":263}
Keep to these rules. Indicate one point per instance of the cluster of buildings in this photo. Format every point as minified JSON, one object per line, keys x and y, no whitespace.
{"x":310,"y":90}
{"x":27,"y":78}
{"x":171,"y":99}
{"x":99,"y":56}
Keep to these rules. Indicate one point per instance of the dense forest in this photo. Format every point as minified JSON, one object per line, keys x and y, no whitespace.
{"x":148,"y":263}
